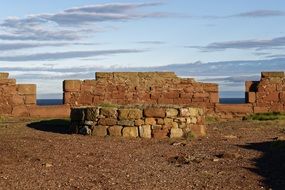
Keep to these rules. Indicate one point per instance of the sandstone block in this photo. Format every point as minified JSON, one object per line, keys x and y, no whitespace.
{"x":115,"y":131}
{"x":7,"y":81}
{"x":272,"y":74}
{"x":234,"y":108}
{"x":100,"y":131}
{"x":17,"y":100}
{"x":26,"y":89}
{"x":145,"y":131}
{"x":250,"y":97}
{"x":214,"y":97}
{"x":171,"y":112}
{"x":130,"y":132}
{"x":186,"y":112}
{"x":139,"y":122}
{"x":126,"y":114}
{"x":273,"y":96}
{"x":168,"y":121}
{"x":109,"y":112}
{"x":4,"y":75}
{"x":107,"y":121}
{"x":103,"y":75}
{"x":126,"y":123}
{"x":60,"y":111}
{"x":150,"y":121}
{"x":155,"y":112}
{"x":176,"y":133}
{"x":20,"y":111}
{"x":210,"y":87}
{"x":91,"y":114}
{"x":160,"y":133}
{"x":71,"y":85}
{"x":31,"y":99}
{"x":160,"y":121}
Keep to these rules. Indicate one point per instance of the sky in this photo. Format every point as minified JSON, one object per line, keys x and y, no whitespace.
{"x":45,"y":42}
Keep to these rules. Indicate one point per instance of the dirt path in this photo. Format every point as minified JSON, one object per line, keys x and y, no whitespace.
{"x":234,"y":155}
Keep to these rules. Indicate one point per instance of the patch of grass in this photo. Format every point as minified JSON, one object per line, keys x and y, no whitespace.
{"x":266,"y":116}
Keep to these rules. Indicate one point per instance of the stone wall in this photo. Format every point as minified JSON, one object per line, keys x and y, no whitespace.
{"x":136,"y":121}
{"x":124,"y":88}
{"x":268,"y":94}
{"x":15,"y":98}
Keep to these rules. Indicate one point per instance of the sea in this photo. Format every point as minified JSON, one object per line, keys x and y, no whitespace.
{"x":226,"y":97}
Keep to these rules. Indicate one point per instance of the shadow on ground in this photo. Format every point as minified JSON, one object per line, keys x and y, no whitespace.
{"x":271,"y":166}
{"x":55,"y":126}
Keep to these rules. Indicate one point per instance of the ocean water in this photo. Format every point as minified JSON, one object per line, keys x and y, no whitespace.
{"x":45,"y":102}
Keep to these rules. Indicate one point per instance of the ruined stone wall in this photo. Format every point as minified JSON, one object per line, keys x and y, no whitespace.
{"x":19,"y":100}
{"x":136,"y":121}
{"x":153,"y":88}
{"x":268,"y":94}
{"x":15,"y":98}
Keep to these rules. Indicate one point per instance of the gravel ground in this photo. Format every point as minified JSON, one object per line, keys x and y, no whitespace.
{"x":234,"y":155}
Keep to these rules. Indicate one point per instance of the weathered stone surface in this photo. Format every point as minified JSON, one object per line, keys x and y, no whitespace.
{"x":4,"y":75}
{"x":168,"y":121}
{"x":71,"y":85}
{"x":126,"y":123}
{"x":100,"y":131}
{"x":26,"y":89}
{"x":91,"y":114}
{"x":139,"y":122}
{"x":115,"y":131}
{"x":155,"y":112}
{"x":130,"y":132}
{"x":234,"y":108}
{"x":129,"y":114}
{"x":145,"y":131}
{"x":60,"y":111}
{"x":272,"y":74}
{"x":176,"y":133}
{"x":108,"y":121}
{"x":20,"y":111}
{"x":160,"y":133}
{"x":171,"y":112}
{"x":30,"y":99}
{"x":109,"y":112}
{"x":150,"y":121}
{"x":160,"y":121}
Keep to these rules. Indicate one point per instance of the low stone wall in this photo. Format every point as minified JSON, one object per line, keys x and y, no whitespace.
{"x":268,"y":94}
{"x":15,"y":99}
{"x":136,"y":121}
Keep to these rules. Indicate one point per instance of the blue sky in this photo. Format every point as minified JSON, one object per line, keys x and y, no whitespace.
{"x":45,"y":42}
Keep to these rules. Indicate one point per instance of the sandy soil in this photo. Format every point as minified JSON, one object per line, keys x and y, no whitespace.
{"x":234,"y":155}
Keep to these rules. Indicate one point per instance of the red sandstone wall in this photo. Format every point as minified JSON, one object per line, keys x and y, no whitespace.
{"x":268,"y":94}
{"x":140,"y":88}
{"x":14,"y":98}
{"x":20,"y":100}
